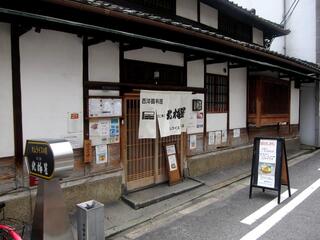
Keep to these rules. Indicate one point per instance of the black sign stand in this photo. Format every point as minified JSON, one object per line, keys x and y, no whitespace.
{"x":281,"y":169}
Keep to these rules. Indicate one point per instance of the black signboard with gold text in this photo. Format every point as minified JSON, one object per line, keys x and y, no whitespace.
{"x":40,"y":159}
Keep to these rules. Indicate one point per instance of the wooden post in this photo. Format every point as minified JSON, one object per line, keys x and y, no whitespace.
{"x":16,"y":100}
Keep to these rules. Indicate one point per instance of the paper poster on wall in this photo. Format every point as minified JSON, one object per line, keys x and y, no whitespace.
{"x":171,"y":149}
{"x":75,"y":140}
{"x":236,"y":133}
{"x":193,"y":142}
{"x":224,"y":136}
{"x":172,"y":162}
{"x":74,"y":122}
{"x":104,"y":131}
{"x":211,"y":137}
{"x":101,"y":154}
{"x":267,"y":163}
{"x":105,"y":107}
{"x":218,"y":137}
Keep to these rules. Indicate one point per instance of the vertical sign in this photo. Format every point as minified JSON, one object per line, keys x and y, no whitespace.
{"x":173,"y":169}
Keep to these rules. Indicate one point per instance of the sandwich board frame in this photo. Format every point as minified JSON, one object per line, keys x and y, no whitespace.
{"x":269,"y":165}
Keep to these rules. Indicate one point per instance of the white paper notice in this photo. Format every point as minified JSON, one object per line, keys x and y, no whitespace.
{"x":101,"y":154}
{"x":211,"y":138}
{"x":172,"y":162}
{"x":193,"y":142}
{"x":267,"y":163}
{"x":218,"y":137}
{"x":74,"y":122}
{"x":236,"y":133}
{"x":224,"y":136}
{"x":171,"y":149}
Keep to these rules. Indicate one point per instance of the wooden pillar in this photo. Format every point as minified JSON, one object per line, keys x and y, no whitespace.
{"x":85,"y":79}
{"x":16,"y":100}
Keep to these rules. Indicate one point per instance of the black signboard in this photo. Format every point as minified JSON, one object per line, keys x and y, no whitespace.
{"x":40,"y":159}
{"x":269,"y":165}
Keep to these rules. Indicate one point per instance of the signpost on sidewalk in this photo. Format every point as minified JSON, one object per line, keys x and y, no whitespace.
{"x":269,"y":165}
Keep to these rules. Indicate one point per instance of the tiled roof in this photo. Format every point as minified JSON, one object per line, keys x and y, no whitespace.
{"x":252,"y":14}
{"x":113,"y":7}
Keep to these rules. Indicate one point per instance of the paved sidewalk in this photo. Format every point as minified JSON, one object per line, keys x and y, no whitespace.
{"x":120,"y":217}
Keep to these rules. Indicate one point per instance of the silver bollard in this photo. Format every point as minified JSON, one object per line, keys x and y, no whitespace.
{"x":90,"y":220}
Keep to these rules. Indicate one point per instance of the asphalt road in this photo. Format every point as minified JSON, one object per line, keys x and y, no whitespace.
{"x":219,"y":215}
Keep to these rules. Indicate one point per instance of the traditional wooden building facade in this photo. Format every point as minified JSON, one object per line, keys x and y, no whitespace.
{"x":59,"y":57}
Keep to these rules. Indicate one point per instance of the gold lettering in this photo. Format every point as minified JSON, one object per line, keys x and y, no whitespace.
{"x":39,"y":150}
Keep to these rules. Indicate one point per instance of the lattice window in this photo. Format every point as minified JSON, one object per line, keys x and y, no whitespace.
{"x":217,"y":93}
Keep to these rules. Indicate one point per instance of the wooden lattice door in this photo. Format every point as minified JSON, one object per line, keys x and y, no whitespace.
{"x":145,"y":162}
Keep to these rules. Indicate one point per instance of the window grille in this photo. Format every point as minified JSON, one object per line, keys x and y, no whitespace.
{"x":217,"y":93}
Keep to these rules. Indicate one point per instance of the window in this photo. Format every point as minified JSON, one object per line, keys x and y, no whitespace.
{"x":217,"y":93}
{"x":269,"y":101}
{"x":234,"y":28}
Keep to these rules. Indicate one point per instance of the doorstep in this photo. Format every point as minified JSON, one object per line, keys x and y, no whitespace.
{"x":147,"y":197}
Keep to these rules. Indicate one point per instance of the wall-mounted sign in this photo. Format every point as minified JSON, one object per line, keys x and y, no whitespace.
{"x":269,"y":165}
{"x":196,"y":105}
{"x":105,"y":107}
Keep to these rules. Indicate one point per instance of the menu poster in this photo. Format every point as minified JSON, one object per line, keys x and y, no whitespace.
{"x":172,"y":162}
{"x":267,"y":163}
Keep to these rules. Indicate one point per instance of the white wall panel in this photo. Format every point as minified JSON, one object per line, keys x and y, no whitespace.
{"x":195,"y":74}
{"x":217,"y":121}
{"x":257,"y":36}
{"x":218,"y":68}
{"x":208,"y":15}
{"x":294,"y":105}
{"x":51,"y":79}
{"x":187,"y":9}
{"x":155,"y":56}
{"x":6,"y":108}
{"x":104,"y":62}
{"x":238,"y":98}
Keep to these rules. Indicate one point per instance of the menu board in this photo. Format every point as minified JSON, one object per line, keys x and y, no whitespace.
{"x":173,"y":169}
{"x":105,"y":107}
{"x":269,"y":165}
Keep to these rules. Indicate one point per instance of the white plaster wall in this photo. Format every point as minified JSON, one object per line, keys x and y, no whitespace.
{"x":51,"y":79}
{"x":187,"y":9}
{"x":218,"y":68}
{"x":104,"y":62}
{"x":294,"y":104}
{"x":301,"y":42}
{"x":195,"y":74}
{"x":238,"y":98}
{"x":156,"y":56}
{"x":6,"y":108}
{"x":208,"y":15}
{"x":217,"y":121}
{"x":271,"y":10}
{"x":257,"y":36}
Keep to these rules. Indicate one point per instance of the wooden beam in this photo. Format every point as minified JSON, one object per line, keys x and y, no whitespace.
{"x":94,"y":41}
{"x":214,"y":61}
{"x":129,"y":47}
{"x":190,"y":58}
{"x":20,"y":30}
{"x":118,"y":86}
{"x":16,"y":96}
